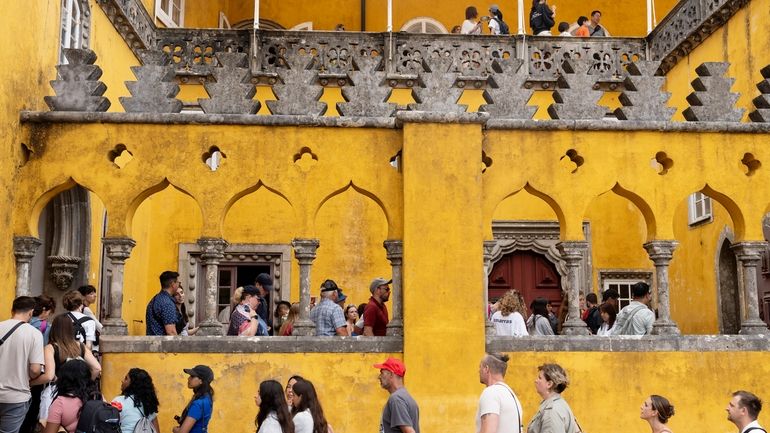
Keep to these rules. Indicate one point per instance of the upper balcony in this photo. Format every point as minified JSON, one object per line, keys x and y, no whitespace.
{"x":507,"y":70}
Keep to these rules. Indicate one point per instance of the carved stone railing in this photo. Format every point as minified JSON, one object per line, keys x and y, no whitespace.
{"x":193,"y":52}
{"x":688,"y":24}
{"x":131,"y":20}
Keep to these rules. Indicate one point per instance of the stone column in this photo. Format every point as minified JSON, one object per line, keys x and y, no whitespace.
{"x":572,"y":252}
{"x":118,"y":250}
{"x":212,"y":251}
{"x":304,"y":252}
{"x":749,"y":254}
{"x":24,"y":248}
{"x":489,"y":247}
{"x":395,"y":255}
{"x":660,"y":252}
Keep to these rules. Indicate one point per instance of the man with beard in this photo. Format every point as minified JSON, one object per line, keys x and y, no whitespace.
{"x":743,"y":411}
{"x":400,"y":414}
{"x":376,"y":313}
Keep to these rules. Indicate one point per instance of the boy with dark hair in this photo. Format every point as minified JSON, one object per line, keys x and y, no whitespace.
{"x":583,"y":31}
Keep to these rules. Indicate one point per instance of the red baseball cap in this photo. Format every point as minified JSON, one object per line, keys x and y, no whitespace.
{"x":392,"y":364}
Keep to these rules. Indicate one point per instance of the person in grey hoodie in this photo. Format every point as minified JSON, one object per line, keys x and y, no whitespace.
{"x":554,"y":414}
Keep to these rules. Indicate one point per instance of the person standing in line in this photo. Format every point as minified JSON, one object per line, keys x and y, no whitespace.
{"x":636,"y":318}
{"x":21,"y":358}
{"x":264,"y":284}
{"x":376,"y":312}
{"x":564,"y":29}
{"x":538,"y":323}
{"x":74,"y":388}
{"x":592,"y":315}
{"x":596,"y":29}
{"x":554,"y":414}
{"x":507,"y":320}
{"x":608,"y":314}
{"x":743,"y":410}
{"x":290,"y":389}
{"x":327,"y":315}
{"x":470,"y":25}
{"x":499,"y":409}
{"x":45,"y":306}
{"x":401,"y":413}
{"x":89,"y":298}
{"x":306,"y":408}
{"x":541,"y":18}
{"x":161,"y":313}
{"x":582,"y":31}
{"x":196,"y":416}
{"x":182,"y":324}
{"x":657,"y":410}
{"x":244,"y":321}
{"x":137,"y":400}
{"x":351,"y":317}
{"x":273,"y":415}
{"x":85,"y":327}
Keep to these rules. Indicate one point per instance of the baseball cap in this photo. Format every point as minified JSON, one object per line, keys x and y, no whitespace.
{"x":392,"y":364}
{"x":377,"y":282}
{"x":203,"y":372}
{"x":329,"y":285}
{"x":341,"y":296}
{"x":494,"y":8}
{"x":250,"y":290}
{"x":265,"y":281}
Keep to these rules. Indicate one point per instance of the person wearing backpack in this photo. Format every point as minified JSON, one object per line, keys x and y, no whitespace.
{"x":636,"y":318}
{"x":74,"y":388}
{"x":85,"y":327}
{"x":541,"y":18}
{"x":196,"y":416}
{"x":138,"y":403}
{"x":61,"y":348}
{"x":496,"y":24}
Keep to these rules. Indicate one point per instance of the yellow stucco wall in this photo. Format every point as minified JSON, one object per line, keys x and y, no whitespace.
{"x":605,"y":392}
{"x":742,"y":43}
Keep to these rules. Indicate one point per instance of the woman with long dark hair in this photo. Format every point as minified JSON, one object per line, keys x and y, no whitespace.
{"x":196,"y":416}
{"x":608,"y":314}
{"x":308,"y":414}
{"x":182,"y":320}
{"x":538,"y":323}
{"x":137,"y":400}
{"x":74,"y":386}
{"x":290,"y":389}
{"x":274,"y":415}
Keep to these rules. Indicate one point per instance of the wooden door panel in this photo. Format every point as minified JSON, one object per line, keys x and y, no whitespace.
{"x":529,"y":273}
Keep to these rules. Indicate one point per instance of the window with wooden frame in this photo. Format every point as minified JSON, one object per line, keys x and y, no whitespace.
{"x":699,"y":209}
{"x":170,"y":12}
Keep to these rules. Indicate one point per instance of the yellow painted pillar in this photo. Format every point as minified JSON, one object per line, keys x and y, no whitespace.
{"x":443,"y":269}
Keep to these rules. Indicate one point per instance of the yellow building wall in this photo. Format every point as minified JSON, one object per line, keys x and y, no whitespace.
{"x":697,"y":384}
{"x":742,"y":43}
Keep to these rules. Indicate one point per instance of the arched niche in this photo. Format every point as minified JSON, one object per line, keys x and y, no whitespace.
{"x":260,"y":215}
{"x":351,"y":227}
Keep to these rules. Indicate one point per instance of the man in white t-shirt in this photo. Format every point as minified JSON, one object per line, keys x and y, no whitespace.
{"x":21,"y":358}
{"x":499,"y":408}
{"x":743,"y":410}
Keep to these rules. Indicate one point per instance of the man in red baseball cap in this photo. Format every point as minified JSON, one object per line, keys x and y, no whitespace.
{"x":400,"y":414}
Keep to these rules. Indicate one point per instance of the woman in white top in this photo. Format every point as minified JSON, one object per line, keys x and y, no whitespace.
{"x":470,"y":26}
{"x":508,"y":320}
{"x":137,"y":400}
{"x":308,"y":414}
{"x":608,"y":313}
{"x":273,"y":415}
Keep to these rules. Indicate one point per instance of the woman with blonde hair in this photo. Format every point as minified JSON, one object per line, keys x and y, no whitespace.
{"x":508,"y":320}
{"x":656,"y":410}
{"x":554,"y":414}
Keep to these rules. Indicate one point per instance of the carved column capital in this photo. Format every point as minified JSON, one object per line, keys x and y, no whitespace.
{"x":118,"y":250}
{"x":661,"y":251}
{"x":305,"y":250}
{"x":749,"y":253}
{"x":394,"y":251}
{"x":24,"y":248}
{"x":212,"y":250}
{"x":572,"y":252}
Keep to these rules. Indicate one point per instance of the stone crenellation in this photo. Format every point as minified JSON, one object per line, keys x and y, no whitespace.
{"x":643,"y":97}
{"x":762,"y":102}
{"x":298,"y":91}
{"x":367,"y":95}
{"x":507,"y":95}
{"x":575,"y":95}
{"x":232,"y":92}
{"x":712,"y":100}
{"x":155,"y":88}
{"x":78,"y":87}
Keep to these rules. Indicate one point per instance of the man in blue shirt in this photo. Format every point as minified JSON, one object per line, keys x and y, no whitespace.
{"x":161,"y":315}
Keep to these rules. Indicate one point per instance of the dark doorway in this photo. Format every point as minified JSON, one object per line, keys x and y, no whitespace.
{"x":232,"y":276}
{"x":528,"y":272}
{"x":729,"y":296}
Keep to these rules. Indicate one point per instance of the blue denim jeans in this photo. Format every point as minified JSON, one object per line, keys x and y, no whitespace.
{"x":12,"y":415}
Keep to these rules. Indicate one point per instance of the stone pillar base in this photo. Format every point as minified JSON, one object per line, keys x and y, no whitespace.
{"x":395,"y":328}
{"x":753,"y":327}
{"x":575,"y":327}
{"x":211,"y":327}
{"x":665,"y":328}
{"x":303,"y":328}
{"x":116,"y":326}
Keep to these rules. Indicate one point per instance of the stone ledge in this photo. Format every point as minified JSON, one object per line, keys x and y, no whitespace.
{"x":116,"y":344}
{"x":626,"y":125}
{"x":205,"y":119}
{"x":688,"y":343}
{"x":439,"y":117}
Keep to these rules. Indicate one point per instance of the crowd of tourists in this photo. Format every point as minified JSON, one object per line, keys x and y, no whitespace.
{"x":542,"y":18}
{"x":510,"y":316}
{"x":70,"y":372}
{"x":249,"y":315}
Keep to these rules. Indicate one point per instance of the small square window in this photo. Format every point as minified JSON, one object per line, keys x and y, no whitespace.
{"x":699,"y":209}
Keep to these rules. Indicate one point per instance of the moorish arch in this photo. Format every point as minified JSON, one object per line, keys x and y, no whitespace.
{"x":260,"y":214}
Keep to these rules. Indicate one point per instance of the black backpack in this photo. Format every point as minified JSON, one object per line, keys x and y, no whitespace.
{"x":504,"y":30}
{"x":98,"y":416}
{"x":80,"y":331}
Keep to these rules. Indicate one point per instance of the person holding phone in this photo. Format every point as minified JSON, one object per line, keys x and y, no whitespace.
{"x":244,"y":320}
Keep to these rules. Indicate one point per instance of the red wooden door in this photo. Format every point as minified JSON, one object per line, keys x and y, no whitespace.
{"x":529,"y":273}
